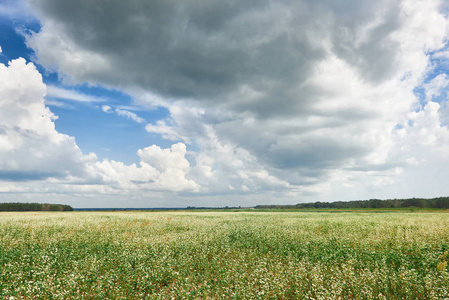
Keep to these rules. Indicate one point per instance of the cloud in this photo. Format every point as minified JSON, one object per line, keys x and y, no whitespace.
{"x":30,"y":147}
{"x":286,"y":96}
{"x":172,"y":166}
{"x":123,"y":112}
{"x":71,"y":95}
{"x":166,"y":131}
{"x":444,"y":55}
{"x":16,"y":10}
{"x":129,"y":115}
{"x":159,"y":170}
{"x":436,"y":86}
{"x":216,"y":52}
{"x":36,"y":159}
{"x":226,"y":168}
{"x":106,"y":108}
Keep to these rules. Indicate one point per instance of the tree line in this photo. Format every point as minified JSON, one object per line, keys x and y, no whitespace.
{"x":441,"y":203}
{"x":16,"y":206}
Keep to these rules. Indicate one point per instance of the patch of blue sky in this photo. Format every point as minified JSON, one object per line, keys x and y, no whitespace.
{"x":420,"y":93}
{"x":398,"y":127}
{"x":108,"y":135}
{"x":13,"y":42}
{"x":439,"y":65}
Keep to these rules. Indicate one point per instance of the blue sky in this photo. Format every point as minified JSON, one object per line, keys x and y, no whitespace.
{"x":233,"y":103}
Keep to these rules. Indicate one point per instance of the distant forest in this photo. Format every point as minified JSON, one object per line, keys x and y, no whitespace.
{"x":15,"y":206}
{"x":441,"y":202}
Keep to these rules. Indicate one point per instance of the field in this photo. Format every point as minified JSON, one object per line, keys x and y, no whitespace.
{"x":224,"y":255}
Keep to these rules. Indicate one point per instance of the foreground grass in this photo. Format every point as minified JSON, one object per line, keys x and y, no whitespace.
{"x":245,"y":255}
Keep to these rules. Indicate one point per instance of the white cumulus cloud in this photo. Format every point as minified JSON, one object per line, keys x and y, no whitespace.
{"x":36,"y":158}
{"x":30,"y":147}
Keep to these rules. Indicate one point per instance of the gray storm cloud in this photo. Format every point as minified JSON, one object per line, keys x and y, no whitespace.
{"x":210,"y":50}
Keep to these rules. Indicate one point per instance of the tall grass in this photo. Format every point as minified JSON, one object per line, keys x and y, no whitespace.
{"x":245,"y":255}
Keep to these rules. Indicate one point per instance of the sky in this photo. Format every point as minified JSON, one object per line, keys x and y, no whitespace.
{"x":169,"y":103}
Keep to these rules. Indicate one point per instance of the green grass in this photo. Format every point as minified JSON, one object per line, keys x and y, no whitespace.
{"x":237,"y":255}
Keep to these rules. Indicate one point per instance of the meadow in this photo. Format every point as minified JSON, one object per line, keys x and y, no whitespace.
{"x":224,"y":255}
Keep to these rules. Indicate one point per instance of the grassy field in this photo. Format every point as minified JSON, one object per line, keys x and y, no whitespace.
{"x":216,"y":255}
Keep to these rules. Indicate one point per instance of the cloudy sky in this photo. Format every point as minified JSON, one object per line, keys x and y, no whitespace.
{"x":167,"y":103}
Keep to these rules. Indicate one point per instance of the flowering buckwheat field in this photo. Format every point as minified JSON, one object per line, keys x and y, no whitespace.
{"x":238,"y":255}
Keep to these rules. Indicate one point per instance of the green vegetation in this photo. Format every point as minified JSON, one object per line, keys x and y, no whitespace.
{"x":16,"y":206}
{"x":434,"y":203}
{"x":230,"y":255}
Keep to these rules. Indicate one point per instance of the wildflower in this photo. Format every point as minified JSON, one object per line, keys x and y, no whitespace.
{"x":441,"y":266}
